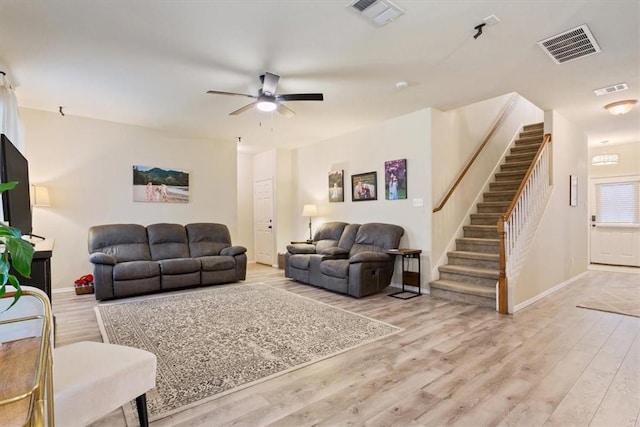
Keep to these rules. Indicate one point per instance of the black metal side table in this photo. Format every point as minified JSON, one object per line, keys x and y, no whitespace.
{"x":409,"y":278}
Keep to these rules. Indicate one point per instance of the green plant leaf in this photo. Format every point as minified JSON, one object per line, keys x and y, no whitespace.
{"x":21,"y":255}
{"x":4,"y":186}
{"x":16,"y":284}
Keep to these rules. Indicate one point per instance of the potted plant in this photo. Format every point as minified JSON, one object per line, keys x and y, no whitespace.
{"x":16,"y":252}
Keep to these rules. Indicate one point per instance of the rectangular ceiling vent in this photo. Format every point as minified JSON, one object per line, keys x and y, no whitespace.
{"x":379,"y":12}
{"x":611,"y":89}
{"x":570,"y":45}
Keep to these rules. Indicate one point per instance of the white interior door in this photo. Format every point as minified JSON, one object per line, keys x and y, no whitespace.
{"x":615,"y":221}
{"x":263,"y":219}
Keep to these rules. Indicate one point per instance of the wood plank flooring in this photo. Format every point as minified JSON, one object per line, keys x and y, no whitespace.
{"x":551,"y":364}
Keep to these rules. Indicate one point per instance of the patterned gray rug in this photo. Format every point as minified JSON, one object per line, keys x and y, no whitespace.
{"x":214,"y":341}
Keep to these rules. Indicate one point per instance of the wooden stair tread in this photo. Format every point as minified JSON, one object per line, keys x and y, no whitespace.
{"x":467,"y":288}
{"x":488,"y":273}
{"x":474,"y":255}
{"x":479,"y":240}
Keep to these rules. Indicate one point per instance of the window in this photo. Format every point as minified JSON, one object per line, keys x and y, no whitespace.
{"x":618,"y":202}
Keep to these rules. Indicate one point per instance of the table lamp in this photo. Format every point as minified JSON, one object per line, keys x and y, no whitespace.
{"x":310,"y":211}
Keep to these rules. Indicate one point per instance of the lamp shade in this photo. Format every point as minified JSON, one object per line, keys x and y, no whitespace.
{"x":41,"y":196}
{"x":309,"y":210}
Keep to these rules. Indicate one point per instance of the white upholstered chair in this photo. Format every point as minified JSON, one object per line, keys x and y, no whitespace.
{"x":90,"y":379}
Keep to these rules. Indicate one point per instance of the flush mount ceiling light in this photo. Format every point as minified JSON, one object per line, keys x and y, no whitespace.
{"x":621,"y":107}
{"x":604,"y":158}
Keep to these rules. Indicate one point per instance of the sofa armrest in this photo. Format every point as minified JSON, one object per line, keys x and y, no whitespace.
{"x":101,"y":258}
{"x":369,"y":257}
{"x":301,"y":248}
{"x":233,"y":250}
{"x":335,"y":252}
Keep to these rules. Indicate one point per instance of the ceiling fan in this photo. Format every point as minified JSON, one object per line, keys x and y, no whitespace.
{"x":267,"y":100}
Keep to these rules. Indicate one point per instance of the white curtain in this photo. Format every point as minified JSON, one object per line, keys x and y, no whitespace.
{"x":10,"y":123}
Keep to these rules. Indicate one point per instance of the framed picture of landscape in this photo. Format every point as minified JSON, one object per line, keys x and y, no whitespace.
{"x":364,"y":186}
{"x":159,"y":185}
{"x":336,"y":186}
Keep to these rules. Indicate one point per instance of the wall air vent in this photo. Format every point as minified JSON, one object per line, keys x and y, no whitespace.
{"x":611,"y":89}
{"x":379,"y":12}
{"x":570,"y":45}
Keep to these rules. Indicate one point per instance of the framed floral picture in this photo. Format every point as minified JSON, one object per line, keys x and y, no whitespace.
{"x":395,"y":179}
{"x":364,"y":186}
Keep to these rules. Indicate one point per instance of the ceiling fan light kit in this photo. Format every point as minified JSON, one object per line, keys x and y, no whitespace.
{"x":621,"y":107}
{"x":266,"y":105}
{"x":267,"y":100}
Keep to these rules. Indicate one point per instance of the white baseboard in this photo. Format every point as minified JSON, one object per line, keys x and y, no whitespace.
{"x":548,"y":292}
{"x":63,"y":290}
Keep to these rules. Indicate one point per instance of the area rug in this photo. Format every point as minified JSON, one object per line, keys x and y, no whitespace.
{"x":215,"y":341}
{"x":621,"y":298}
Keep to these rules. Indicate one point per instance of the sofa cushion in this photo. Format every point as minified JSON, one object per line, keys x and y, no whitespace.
{"x":167,"y":241}
{"x":135,"y":270}
{"x":335,"y":252}
{"x":335,"y":268}
{"x":233,"y":250}
{"x":300,"y":261}
{"x":301,"y":248}
{"x":207,"y":239}
{"x":179,"y":265}
{"x":215,"y":263}
{"x":376,"y":237}
{"x":124,"y":242}
{"x":348,"y":237}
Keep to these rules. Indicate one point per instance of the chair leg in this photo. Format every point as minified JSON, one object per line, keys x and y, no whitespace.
{"x":141,"y":404}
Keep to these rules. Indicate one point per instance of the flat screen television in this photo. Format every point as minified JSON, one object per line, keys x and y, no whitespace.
{"x":16,"y":203}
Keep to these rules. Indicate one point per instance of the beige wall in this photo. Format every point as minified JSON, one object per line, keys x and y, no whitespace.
{"x":87,"y":165}
{"x":559,"y":251}
{"x":366,"y":150}
{"x":456,"y":135}
{"x":245,"y":203}
{"x":629,"y":161}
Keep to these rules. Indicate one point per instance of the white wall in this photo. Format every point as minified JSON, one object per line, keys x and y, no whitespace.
{"x":366,"y":150}
{"x":87,"y":165}
{"x":559,"y":251}
{"x":456,"y":136}
{"x":245,"y":203}
{"x":628,"y":164}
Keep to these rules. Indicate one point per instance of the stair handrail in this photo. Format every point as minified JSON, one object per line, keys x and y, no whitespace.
{"x":502,"y":227}
{"x":505,"y":113}
{"x":509,"y":212}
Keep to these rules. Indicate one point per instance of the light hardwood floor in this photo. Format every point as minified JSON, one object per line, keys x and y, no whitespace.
{"x":551,"y":364}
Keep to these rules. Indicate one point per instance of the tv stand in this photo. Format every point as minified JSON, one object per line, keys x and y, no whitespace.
{"x":40,"y":267}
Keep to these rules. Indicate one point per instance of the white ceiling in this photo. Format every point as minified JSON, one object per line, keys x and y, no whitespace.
{"x":150,"y":63}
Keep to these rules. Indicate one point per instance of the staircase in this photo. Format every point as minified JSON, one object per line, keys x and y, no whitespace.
{"x":473,"y":269}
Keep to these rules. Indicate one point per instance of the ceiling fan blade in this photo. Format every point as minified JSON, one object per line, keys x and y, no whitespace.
{"x":217,"y":92}
{"x":269,"y":83}
{"x":285,"y":111}
{"x":243,"y":109}
{"x":301,"y":97}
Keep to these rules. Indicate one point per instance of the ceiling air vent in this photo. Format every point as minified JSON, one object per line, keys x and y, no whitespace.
{"x":570,"y":45}
{"x":611,"y":89}
{"x":379,"y":12}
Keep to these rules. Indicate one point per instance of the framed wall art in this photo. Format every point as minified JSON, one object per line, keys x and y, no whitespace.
{"x":364,"y":186}
{"x":395,"y":179}
{"x":336,"y":186}
{"x":154,"y":184}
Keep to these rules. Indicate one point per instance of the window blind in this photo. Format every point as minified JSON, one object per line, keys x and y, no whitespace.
{"x":618,"y":202}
